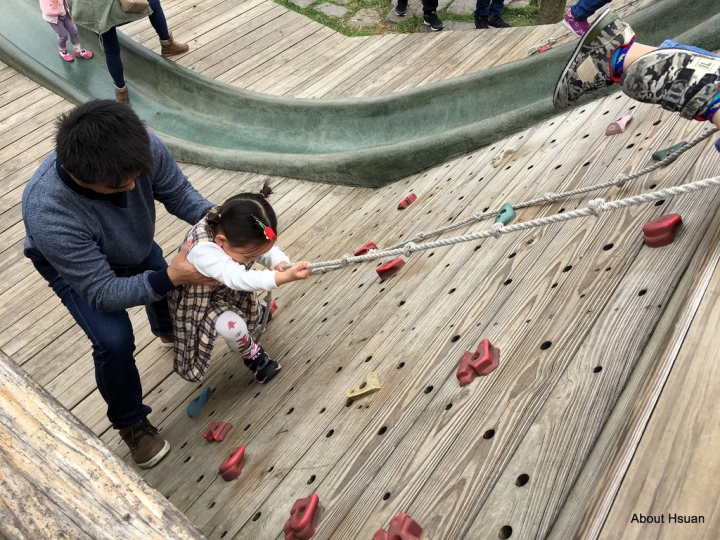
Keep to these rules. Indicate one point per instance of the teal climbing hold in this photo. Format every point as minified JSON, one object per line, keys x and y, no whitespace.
{"x":196,"y":405}
{"x":662,"y":154}
{"x":505,"y":215}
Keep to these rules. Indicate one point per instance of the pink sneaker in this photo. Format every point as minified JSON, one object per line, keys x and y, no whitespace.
{"x":575,"y":26}
{"x":83,"y":53}
{"x":65,"y":55}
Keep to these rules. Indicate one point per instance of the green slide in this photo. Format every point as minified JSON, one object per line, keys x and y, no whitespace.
{"x":360,"y":141}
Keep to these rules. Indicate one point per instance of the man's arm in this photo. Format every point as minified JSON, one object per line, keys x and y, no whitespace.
{"x":172,"y":188}
{"x":77,"y":258}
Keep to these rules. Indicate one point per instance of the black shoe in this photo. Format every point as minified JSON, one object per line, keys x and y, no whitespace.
{"x":481,"y":22}
{"x":263,"y":367}
{"x":432,"y":20}
{"x":401,"y":8}
{"x":497,"y":22}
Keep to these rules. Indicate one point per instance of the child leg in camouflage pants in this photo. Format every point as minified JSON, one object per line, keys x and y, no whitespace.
{"x":677,"y":77}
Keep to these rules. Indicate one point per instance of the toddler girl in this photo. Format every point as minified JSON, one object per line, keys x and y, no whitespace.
{"x":224,"y":244}
{"x":57,"y":13}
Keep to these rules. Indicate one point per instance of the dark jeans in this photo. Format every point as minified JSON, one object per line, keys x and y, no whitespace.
{"x":429,"y":6}
{"x":586,"y":8}
{"x":481,"y":8}
{"x":112,"y":337}
{"x":111,"y":45}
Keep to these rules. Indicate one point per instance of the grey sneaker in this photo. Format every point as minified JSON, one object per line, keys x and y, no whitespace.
{"x":147,"y":446}
{"x":589,"y":66}
{"x":676,"y":79}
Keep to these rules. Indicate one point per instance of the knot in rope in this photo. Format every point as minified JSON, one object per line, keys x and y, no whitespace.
{"x":409,"y":248}
{"x":496,"y":229}
{"x":423,"y":235}
{"x":551,"y":197}
{"x":620,"y":182}
{"x":345,"y":260}
{"x":477,"y":216}
{"x":597,"y":206}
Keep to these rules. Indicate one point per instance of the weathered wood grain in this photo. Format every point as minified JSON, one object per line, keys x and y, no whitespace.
{"x":60,"y":480}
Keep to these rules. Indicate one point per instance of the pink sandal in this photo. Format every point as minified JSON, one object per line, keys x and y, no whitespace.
{"x":83,"y":53}
{"x":65,"y":55}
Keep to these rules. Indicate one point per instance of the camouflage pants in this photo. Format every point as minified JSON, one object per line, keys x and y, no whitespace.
{"x":675,"y":79}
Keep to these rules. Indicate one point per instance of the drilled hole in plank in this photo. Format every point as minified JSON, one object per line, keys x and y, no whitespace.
{"x":546,"y":345}
{"x":489,"y":434}
{"x":330,"y":433}
{"x":382,"y":430}
{"x":522,"y":480}
{"x":597,"y":369}
{"x":505,"y":532}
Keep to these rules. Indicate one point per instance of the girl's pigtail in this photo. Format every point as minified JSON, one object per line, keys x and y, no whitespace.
{"x":213,"y":217}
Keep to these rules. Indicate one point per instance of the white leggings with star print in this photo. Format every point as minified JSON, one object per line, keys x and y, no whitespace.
{"x":234,"y":331}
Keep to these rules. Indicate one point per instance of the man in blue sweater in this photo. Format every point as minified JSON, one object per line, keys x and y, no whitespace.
{"x":89,"y":214}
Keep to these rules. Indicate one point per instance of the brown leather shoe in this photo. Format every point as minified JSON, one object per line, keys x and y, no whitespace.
{"x":122,"y":94}
{"x":147,"y":446}
{"x":173,"y":47}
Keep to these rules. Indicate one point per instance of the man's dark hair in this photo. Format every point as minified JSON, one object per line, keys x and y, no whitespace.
{"x":103,"y":142}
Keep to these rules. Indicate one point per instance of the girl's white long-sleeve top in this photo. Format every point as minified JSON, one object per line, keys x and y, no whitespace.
{"x":211,"y":261}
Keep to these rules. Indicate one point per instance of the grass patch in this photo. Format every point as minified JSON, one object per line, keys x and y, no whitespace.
{"x":526,"y":16}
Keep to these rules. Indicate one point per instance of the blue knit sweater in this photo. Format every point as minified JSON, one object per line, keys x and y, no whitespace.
{"x":86,"y":235}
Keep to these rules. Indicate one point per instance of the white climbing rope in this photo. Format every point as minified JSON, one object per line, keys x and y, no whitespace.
{"x":594,"y":207}
{"x":553,"y":197}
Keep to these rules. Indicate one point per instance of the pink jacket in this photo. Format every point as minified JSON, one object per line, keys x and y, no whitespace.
{"x":52,"y":9}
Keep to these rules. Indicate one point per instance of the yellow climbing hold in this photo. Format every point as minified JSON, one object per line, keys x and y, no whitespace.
{"x":368,"y":386}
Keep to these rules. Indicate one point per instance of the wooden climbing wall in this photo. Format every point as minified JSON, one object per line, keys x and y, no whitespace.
{"x":571,"y":306}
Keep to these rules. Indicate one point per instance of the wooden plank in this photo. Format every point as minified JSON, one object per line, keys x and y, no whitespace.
{"x":589,"y":502}
{"x":268,"y":83}
{"x":319,"y":86}
{"x":560,"y":438}
{"x":59,"y":480}
{"x":670,"y":472}
{"x":454,"y":476}
{"x":264,"y":51}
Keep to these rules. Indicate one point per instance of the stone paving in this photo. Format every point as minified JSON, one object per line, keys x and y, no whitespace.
{"x":331,"y":10}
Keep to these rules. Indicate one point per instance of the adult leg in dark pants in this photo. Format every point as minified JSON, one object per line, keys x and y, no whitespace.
{"x":487,"y":14}
{"x":430,"y":17}
{"x":113,"y":343}
{"x":111,"y":45}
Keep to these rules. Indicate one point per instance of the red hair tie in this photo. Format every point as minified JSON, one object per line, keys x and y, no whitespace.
{"x":267,"y":231}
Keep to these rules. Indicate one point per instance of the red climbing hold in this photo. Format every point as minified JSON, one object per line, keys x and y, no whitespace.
{"x":232,"y":465}
{"x":273,"y":307}
{"x":366,"y":248}
{"x":402,"y":527}
{"x":482,"y":362}
{"x":301,"y":525}
{"x":407,"y":201}
{"x":659,"y":232}
{"x":217,"y":431}
{"x":390,"y":268}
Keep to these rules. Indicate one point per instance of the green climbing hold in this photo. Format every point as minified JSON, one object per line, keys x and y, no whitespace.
{"x":662,"y":154}
{"x":505,"y":215}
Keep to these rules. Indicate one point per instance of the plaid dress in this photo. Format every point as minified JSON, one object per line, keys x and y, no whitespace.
{"x":194,"y":310}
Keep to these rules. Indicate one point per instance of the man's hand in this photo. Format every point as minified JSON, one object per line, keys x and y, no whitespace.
{"x":181,"y":272}
{"x":294,"y":273}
